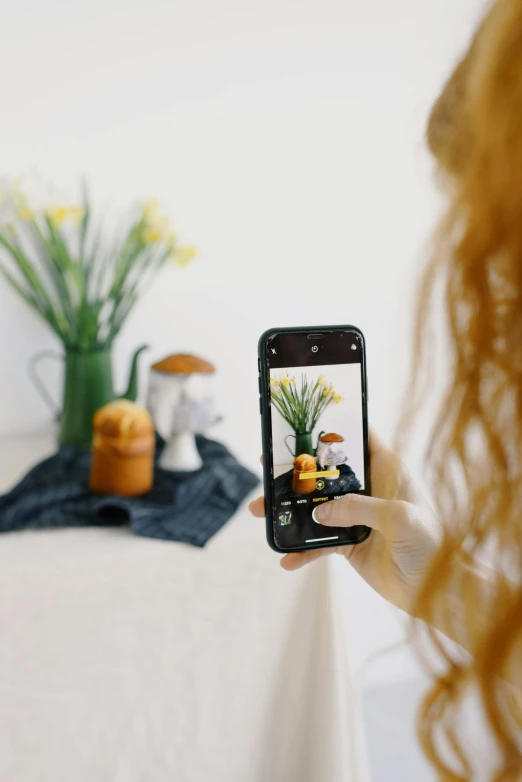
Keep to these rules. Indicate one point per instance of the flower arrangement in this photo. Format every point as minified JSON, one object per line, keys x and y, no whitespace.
{"x":59,"y":261}
{"x":302,"y":407}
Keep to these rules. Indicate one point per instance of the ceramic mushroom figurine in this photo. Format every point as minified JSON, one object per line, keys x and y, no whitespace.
{"x":181,"y":401}
{"x":331,"y":452}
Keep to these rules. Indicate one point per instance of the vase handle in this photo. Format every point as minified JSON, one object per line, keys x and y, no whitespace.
{"x":38,"y":382}
{"x":318,"y":441}
{"x":285,"y":439}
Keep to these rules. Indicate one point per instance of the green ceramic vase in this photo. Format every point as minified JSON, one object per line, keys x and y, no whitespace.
{"x":303,"y":444}
{"x":87,"y":386}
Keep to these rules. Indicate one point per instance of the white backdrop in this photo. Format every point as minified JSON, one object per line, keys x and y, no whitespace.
{"x":286,"y":139}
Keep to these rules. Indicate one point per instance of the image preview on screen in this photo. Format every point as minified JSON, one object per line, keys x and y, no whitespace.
{"x":317,"y":438}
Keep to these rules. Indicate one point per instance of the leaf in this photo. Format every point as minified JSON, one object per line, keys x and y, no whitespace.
{"x":54,"y":268}
{"x":26,"y":268}
{"x":84,"y":224}
{"x":29,"y":299}
{"x":85,"y":289}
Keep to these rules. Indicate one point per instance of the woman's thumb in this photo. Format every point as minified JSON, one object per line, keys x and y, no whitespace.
{"x":358,"y":509}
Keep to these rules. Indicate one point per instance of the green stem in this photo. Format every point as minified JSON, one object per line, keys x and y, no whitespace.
{"x":32,"y":302}
{"x":39,"y":293}
{"x":45,"y":250}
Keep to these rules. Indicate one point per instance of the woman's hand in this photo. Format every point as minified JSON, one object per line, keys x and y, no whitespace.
{"x":405,"y":532}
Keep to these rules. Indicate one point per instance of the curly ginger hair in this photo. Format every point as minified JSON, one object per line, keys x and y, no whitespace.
{"x":475,"y":452}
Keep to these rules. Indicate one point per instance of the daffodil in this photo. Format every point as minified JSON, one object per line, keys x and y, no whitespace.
{"x":304,"y":406}
{"x":25,"y":213}
{"x":57,"y":215}
{"x":184,"y":255}
{"x":76,"y":213}
{"x":159,"y":223}
{"x":53,"y":267}
{"x":150,"y":236}
{"x":155,"y":221}
{"x":337,"y":398}
{"x":150,"y":208}
{"x":321,"y":380}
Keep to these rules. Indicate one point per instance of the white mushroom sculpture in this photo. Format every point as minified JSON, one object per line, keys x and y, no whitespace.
{"x":181,"y":401}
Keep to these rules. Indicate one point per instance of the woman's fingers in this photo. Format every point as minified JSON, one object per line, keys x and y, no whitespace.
{"x":301,"y":558}
{"x":356,"y":509}
{"x":257,"y":508}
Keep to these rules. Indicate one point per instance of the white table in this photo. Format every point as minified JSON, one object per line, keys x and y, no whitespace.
{"x":124,"y":659}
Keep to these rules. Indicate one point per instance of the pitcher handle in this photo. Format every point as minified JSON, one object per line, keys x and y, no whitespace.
{"x":38,"y":382}
{"x":285,"y":439}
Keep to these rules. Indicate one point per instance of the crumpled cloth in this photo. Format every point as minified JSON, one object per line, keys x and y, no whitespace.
{"x":188,"y":507}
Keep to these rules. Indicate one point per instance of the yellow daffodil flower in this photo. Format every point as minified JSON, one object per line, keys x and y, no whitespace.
{"x":57,"y":215}
{"x":159,"y":223}
{"x":155,"y":221}
{"x":274,"y":382}
{"x":338,"y":398}
{"x":285,"y":381}
{"x":326,"y":392}
{"x":184,"y":255}
{"x":321,"y":380}
{"x":150,"y":236}
{"x":150,"y":208}
{"x":292,"y":381}
{"x":25,"y":213}
{"x":76,"y":214}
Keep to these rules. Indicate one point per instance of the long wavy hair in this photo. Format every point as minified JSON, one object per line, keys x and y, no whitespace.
{"x":475,"y":452}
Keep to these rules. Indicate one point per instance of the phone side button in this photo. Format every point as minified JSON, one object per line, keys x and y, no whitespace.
{"x":260,"y":406}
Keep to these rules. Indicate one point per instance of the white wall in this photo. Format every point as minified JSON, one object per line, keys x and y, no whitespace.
{"x":285,"y":137}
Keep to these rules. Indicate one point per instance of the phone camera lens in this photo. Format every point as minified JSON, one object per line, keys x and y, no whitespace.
{"x":314,"y":348}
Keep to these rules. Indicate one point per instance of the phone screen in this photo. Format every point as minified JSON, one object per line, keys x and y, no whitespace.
{"x":318,"y":432}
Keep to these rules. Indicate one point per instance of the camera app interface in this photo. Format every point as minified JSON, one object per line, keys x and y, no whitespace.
{"x":317,"y":428}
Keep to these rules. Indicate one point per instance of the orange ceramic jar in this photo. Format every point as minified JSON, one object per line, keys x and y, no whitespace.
{"x":303,"y":464}
{"x":122,"y":450}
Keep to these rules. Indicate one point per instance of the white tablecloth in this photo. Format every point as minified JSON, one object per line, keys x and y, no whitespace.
{"x":131,"y":660}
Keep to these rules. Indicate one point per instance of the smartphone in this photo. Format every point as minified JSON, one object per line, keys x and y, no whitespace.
{"x":313,"y":404}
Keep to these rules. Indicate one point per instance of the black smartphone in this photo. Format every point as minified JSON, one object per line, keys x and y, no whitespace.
{"x":313,"y":403}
